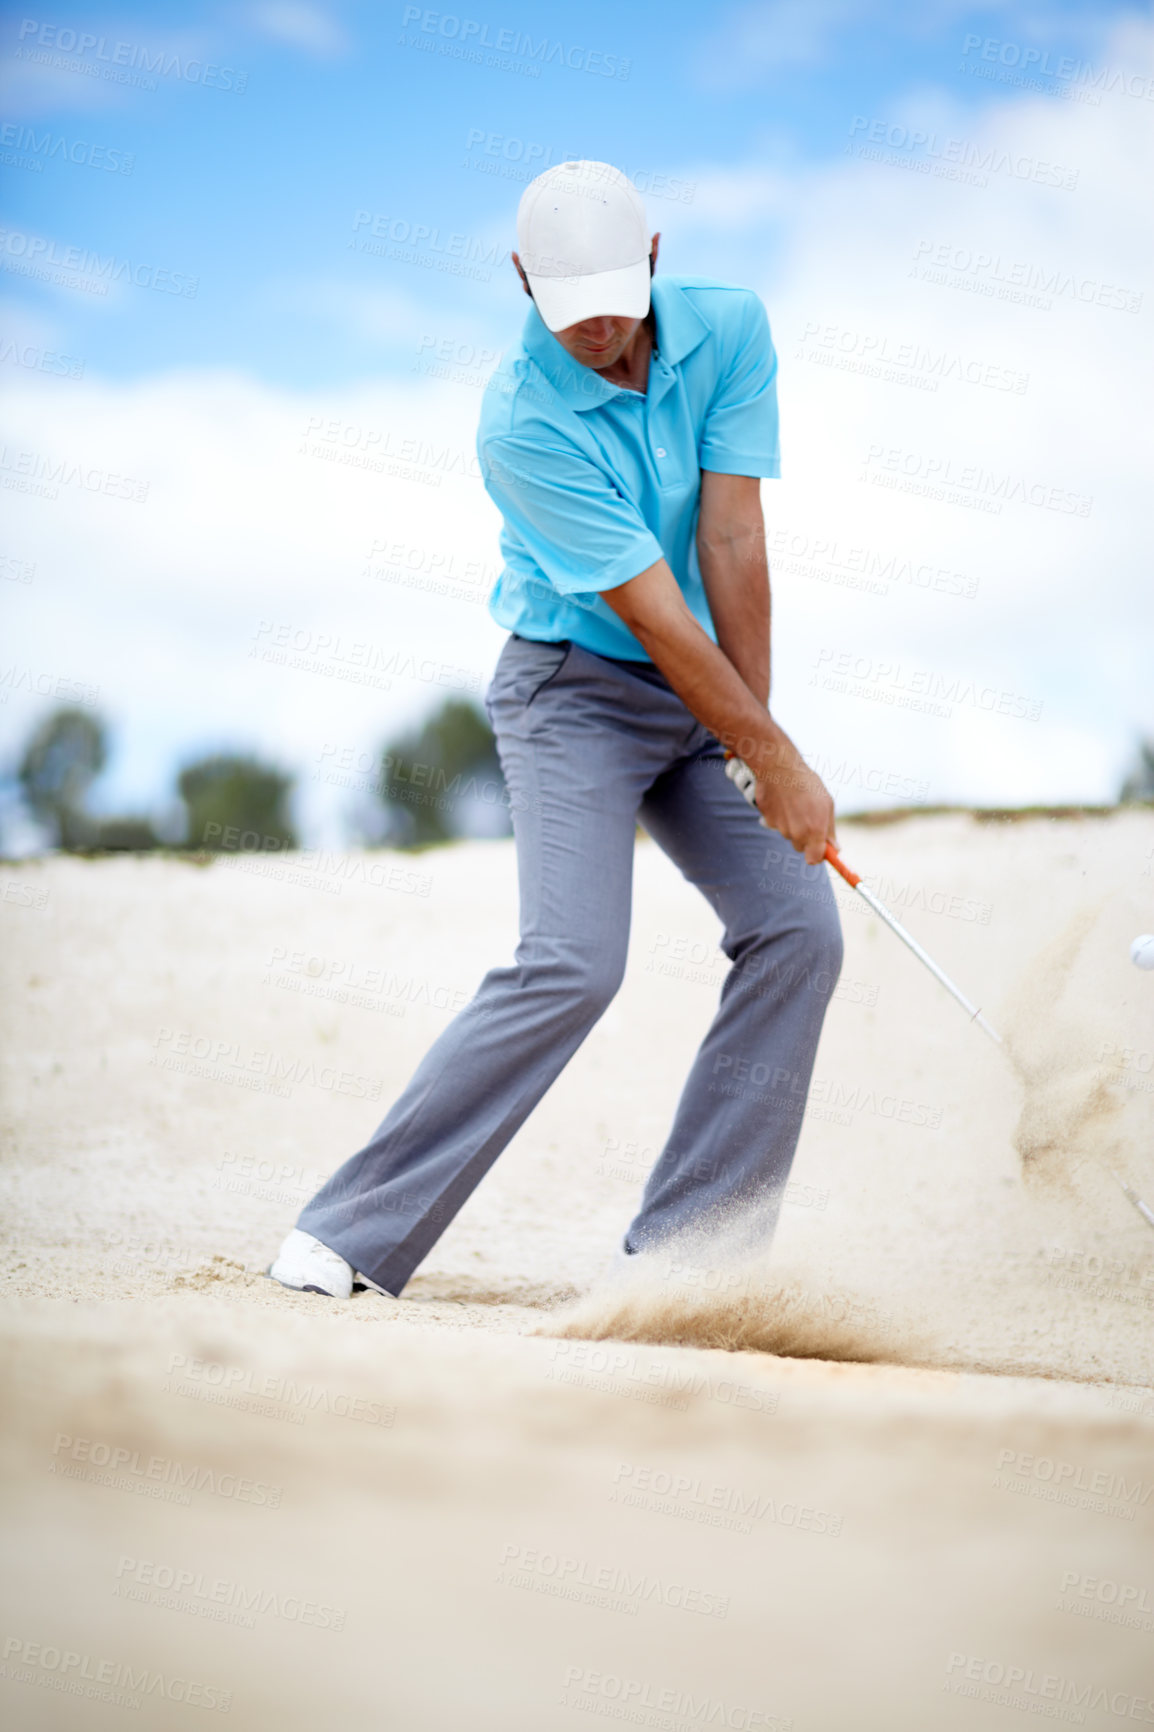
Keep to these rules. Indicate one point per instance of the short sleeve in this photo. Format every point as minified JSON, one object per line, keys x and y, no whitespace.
{"x":574,"y":523}
{"x":740,"y":435}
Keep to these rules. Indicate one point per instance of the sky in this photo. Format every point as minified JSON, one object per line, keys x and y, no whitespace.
{"x":254,"y":273}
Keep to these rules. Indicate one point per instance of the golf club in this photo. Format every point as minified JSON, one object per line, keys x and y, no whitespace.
{"x":743,"y":778}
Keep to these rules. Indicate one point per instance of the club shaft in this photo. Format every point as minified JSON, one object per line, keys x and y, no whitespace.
{"x":1131,"y":1196}
{"x":939,"y":974}
{"x":743,"y":777}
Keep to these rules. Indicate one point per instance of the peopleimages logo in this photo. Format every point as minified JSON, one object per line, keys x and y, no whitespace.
{"x":49,"y":146}
{"x":924,"y":689}
{"x":610,"y":1585}
{"x":188,"y":1590}
{"x":466,"y":37}
{"x":1021,"y":1687}
{"x":39,"y":473}
{"x":646,"y":1703}
{"x":939,"y":477}
{"x":691,"y":1498}
{"x":176,"y":1049}
{"x":1072,"y":1483}
{"x":954,"y":158}
{"x":1043,"y":62}
{"x":1107,"y":1601}
{"x":116,"y":1681}
{"x":241,"y":1386}
{"x":38,"y":251}
{"x":155,"y":1475}
{"x":988,"y":273}
{"x":524,"y":158}
{"x":99,"y":57}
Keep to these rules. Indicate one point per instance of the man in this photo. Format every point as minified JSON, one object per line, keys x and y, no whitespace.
{"x":623,"y":442}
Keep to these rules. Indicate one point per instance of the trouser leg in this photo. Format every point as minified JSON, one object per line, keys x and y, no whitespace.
{"x":385,"y":1208}
{"x":724,"y":1167}
{"x":575,"y":784}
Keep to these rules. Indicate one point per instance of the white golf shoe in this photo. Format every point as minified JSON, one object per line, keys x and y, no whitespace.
{"x":304,"y":1263}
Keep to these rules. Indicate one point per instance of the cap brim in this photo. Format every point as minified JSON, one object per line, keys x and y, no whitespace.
{"x":564,"y":301}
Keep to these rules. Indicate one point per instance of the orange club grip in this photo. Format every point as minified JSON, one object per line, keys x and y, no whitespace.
{"x":853,"y":879}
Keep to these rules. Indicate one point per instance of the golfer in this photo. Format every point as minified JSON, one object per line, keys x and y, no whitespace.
{"x":623,"y":442}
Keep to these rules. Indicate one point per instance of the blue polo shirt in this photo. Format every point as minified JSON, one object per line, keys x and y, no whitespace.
{"x":596,"y":482}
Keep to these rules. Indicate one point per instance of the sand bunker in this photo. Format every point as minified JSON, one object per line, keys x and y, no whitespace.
{"x":991,"y":1300}
{"x":1071,"y":1107}
{"x":459,"y":1510}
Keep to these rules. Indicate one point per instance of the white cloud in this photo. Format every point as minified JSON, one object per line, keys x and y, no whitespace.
{"x":770,"y":35}
{"x":751,"y":43}
{"x":54,"y":67}
{"x":65,"y":270}
{"x":1064,"y":603}
{"x":310,"y":27}
{"x":732,"y":199}
{"x":395,"y":321}
{"x":246,"y":534}
{"x":160,"y":603}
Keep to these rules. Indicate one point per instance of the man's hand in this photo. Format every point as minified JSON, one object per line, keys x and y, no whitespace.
{"x":793,"y":800}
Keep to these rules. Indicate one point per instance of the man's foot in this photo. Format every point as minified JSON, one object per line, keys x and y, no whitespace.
{"x":304,"y":1263}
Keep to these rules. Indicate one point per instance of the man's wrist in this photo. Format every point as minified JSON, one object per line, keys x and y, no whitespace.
{"x":756,"y":740}
{"x":769,"y":753}
{"x":752,"y":667}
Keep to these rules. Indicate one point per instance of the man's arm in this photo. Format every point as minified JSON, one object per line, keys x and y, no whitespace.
{"x":735,"y":572}
{"x":789,"y":796}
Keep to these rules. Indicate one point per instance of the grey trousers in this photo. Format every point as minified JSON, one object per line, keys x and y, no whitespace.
{"x":590,"y":747}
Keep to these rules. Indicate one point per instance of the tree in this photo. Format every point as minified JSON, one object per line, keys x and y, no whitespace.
{"x":1139,"y":784}
{"x":236,"y":804}
{"x":62,"y":758}
{"x":443,"y":780}
{"x":124,"y":836}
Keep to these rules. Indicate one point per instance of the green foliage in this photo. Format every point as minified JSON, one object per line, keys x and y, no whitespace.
{"x":1139,"y":784}
{"x":124,"y":836}
{"x":443,"y":779}
{"x":63,"y":756}
{"x":234,"y":804}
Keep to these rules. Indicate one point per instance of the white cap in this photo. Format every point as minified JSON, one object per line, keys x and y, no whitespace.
{"x":584,"y":244}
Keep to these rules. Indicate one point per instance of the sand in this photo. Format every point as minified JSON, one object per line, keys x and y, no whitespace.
{"x":897,"y":1474}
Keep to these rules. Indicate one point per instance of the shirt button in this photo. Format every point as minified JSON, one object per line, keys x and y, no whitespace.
{"x":661,"y":451}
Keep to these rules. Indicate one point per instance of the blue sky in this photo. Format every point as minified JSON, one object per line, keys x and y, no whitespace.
{"x":255,"y":193}
{"x":746,"y":128}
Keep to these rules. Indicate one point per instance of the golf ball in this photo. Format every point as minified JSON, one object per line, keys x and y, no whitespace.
{"x":1142,"y":950}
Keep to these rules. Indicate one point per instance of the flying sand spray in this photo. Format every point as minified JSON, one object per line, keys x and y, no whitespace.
{"x":1142,"y":950}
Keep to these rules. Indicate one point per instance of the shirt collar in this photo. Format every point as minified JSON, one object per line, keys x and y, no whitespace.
{"x":680,"y":329}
